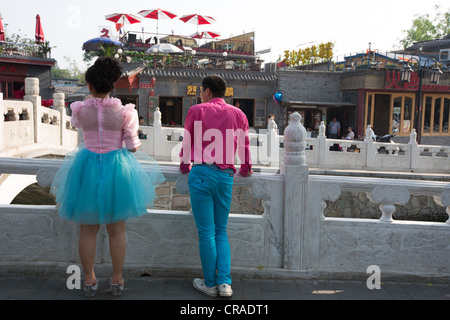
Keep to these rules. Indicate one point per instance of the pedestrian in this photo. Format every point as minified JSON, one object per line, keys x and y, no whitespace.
{"x":334,"y":129}
{"x":271,"y":124}
{"x":350,"y":134}
{"x":214,"y":131}
{"x":102,"y":182}
{"x":334,"y":132}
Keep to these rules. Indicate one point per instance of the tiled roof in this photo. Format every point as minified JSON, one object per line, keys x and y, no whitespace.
{"x":67,"y":90}
{"x":431,"y":45}
{"x":226,"y":75}
{"x":26,"y":59}
{"x":130,"y":69}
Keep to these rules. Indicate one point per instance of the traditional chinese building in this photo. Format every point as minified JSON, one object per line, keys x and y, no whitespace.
{"x":370,"y":96}
{"x":174,"y":91}
{"x":14,"y":68}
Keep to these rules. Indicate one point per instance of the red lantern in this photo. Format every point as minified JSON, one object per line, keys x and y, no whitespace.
{"x":153,"y":82}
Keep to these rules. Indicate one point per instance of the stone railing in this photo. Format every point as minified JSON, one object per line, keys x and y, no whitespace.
{"x":27,"y":129}
{"x":292,"y":239}
{"x":267,"y":149}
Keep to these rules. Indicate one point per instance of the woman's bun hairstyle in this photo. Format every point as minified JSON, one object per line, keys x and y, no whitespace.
{"x":103,"y":74}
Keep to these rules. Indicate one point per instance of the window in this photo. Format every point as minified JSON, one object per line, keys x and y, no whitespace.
{"x":12,"y":90}
{"x":436,"y":115}
{"x":390,"y":113}
{"x":402,"y":114}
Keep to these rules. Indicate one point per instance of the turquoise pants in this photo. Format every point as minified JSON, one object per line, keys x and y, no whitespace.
{"x":210,"y":190}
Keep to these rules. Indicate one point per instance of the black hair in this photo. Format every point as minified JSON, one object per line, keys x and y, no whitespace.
{"x":216,"y":84}
{"x":103,"y":74}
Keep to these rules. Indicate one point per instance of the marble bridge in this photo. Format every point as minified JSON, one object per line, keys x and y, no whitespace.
{"x":291,"y":239}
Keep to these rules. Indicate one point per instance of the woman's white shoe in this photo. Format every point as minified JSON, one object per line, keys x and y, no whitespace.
{"x":199,"y":284}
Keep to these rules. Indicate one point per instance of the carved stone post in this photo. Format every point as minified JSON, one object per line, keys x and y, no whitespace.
{"x":323,"y":149}
{"x":157,"y":133}
{"x":414,"y":149}
{"x":273,"y":145}
{"x":295,"y":173}
{"x":370,"y":148}
{"x":32,"y":94}
{"x":59,"y":104}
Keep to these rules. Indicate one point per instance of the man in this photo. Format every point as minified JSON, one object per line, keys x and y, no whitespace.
{"x":334,"y":129}
{"x":334,"y":132}
{"x":214,"y":131}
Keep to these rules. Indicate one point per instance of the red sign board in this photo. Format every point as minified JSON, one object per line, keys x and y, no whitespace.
{"x":6,"y":68}
{"x":394,"y":83}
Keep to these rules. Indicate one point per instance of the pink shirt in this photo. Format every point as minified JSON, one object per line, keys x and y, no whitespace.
{"x":106,"y":124}
{"x":214,"y":131}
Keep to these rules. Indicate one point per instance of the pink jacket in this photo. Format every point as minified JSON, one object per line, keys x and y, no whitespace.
{"x":106,"y":124}
{"x":214,"y":131}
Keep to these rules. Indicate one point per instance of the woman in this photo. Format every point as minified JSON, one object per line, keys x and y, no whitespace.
{"x":103,"y":183}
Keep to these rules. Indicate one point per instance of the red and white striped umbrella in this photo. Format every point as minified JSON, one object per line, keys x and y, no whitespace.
{"x":124,"y":18}
{"x":157,"y":14}
{"x":197,"y":19}
{"x":39,"y":31}
{"x":205,"y":35}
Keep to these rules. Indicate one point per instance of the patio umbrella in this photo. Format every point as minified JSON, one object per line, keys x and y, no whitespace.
{"x":205,"y":35}
{"x":96,"y":43}
{"x":39,"y":31}
{"x":157,"y":14}
{"x":2,"y":31}
{"x":165,"y":48}
{"x":123,"y":18}
{"x":197,"y":19}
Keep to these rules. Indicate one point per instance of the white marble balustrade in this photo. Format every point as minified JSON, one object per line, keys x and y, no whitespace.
{"x":291,"y":239}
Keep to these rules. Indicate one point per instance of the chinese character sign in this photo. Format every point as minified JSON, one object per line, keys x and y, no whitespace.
{"x":191,"y":90}
{"x":393,"y":81}
{"x":314,"y":54}
{"x":229,"y":92}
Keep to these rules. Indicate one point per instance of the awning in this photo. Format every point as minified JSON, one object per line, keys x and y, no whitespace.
{"x":316,"y":104}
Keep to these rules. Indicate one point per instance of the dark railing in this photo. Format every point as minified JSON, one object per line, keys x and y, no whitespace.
{"x":217,"y":55}
{"x":370,"y":59}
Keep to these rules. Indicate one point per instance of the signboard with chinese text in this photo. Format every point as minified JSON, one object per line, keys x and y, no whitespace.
{"x":393,"y":82}
{"x":191,"y":90}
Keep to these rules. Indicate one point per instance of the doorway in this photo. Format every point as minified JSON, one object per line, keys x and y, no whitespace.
{"x":171,"y":111}
{"x":381,"y":117}
{"x":248,"y":107}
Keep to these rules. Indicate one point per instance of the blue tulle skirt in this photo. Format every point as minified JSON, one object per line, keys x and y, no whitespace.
{"x":92,"y":188}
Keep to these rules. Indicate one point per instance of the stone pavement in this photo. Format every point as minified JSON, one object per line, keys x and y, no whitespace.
{"x":149,"y":288}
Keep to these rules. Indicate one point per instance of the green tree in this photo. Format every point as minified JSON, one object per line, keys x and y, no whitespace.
{"x":426,"y":28}
{"x":103,"y":51}
{"x":73,"y":71}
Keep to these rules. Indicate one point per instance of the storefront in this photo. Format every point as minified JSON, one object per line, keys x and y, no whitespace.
{"x":313,"y":113}
{"x":174,"y":92}
{"x":15,"y":68}
{"x":392,"y":110}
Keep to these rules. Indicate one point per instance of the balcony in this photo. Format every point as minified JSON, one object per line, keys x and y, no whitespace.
{"x":229,"y":54}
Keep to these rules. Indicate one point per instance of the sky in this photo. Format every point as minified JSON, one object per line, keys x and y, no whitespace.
{"x":280,"y":25}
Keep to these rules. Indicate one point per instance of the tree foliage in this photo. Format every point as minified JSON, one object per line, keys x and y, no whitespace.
{"x":73,"y":71}
{"x":424,"y":27}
